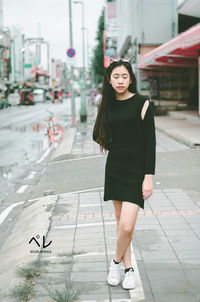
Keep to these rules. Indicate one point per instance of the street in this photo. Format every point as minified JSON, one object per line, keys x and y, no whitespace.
{"x":22,"y":143}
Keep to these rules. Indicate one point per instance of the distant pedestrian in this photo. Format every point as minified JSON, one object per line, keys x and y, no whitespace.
{"x":92,"y":97}
{"x":125,"y":127}
{"x":98,"y":98}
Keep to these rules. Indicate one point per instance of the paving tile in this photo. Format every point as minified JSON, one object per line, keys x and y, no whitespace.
{"x":188,"y":254}
{"x":148,"y":227}
{"x":146,"y":286}
{"x":94,"y":297}
{"x":158,"y":255}
{"x":90,"y":258}
{"x":149,"y":298}
{"x":121,"y":296}
{"x":91,"y":287}
{"x":90,"y":267}
{"x":168,"y":286}
{"x":192,"y":244}
{"x":89,"y":276}
{"x":191,"y":264}
{"x":165,"y":275}
{"x":162,"y":265}
{"x":175,"y":226}
{"x":175,"y":297}
{"x":179,"y":233}
{"x":193,"y":276}
{"x":91,"y":242}
{"x":176,"y":219}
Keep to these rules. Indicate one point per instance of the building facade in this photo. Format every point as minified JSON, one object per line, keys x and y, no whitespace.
{"x":142,"y":26}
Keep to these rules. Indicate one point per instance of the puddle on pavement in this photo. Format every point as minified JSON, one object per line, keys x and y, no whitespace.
{"x":19,"y":128}
{"x":81,"y":133}
{"x":38,"y":140}
{"x":148,"y":239}
{"x":31,"y":140}
{"x":6,"y":171}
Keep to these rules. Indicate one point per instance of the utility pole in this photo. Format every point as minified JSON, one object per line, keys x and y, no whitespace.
{"x":83,"y":111}
{"x":73,"y":112}
{"x":23,"y":54}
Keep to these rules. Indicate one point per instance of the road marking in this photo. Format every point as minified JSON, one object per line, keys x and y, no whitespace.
{"x":114,"y":300}
{"x":22,"y":189}
{"x":80,"y":225}
{"x":82,"y":191}
{"x":35,"y":199}
{"x":74,"y":192}
{"x":73,"y":159}
{"x":44,"y":155}
{"x":90,"y":205}
{"x":5,"y":213}
{"x":31,"y":175}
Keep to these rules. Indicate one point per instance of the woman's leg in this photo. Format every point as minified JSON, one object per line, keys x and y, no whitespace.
{"x":129,"y":212}
{"x":127,"y":256}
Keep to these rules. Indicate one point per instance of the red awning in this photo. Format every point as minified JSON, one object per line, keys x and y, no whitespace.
{"x":41,"y":72}
{"x":180,"y":51}
{"x":35,"y":71}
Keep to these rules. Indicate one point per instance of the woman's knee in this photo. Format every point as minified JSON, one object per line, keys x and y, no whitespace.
{"x":127,"y":230}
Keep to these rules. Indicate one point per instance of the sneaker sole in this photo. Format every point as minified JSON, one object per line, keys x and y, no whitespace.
{"x":129,"y":287}
{"x":111,"y":283}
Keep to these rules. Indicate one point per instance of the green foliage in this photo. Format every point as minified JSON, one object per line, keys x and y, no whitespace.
{"x":32,"y":269}
{"x":28,"y":272}
{"x":22,"y":292}
{"x":70,"y":254}
{"x":97,"y":61}
{"x":67,"y":294}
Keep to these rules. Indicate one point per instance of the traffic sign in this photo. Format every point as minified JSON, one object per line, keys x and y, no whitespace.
{"x":71,"y":52}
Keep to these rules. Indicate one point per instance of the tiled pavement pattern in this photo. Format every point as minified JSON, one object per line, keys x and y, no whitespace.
{"x":166,"y":245}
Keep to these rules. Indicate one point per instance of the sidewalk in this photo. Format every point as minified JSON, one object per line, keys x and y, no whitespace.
{"x":181,"y":125}
{"x":166,"y":241}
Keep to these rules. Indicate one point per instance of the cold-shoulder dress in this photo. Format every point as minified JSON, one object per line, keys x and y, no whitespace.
{"x":132,"y":150}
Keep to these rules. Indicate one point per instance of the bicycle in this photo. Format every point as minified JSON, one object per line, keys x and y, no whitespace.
{"x":54,"y":131}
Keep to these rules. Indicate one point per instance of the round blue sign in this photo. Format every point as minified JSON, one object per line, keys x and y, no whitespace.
{"x":71,"y":52}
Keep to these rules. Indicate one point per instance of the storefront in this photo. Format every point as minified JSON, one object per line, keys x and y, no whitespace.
{"x":170,"y":73}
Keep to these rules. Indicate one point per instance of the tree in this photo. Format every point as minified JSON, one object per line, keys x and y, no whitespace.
{"x":97,"y":60}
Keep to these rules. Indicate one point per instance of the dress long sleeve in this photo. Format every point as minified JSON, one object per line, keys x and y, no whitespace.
{"x":149,"y":140}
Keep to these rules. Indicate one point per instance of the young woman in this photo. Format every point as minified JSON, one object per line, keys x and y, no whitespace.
{"x":125,"y":126}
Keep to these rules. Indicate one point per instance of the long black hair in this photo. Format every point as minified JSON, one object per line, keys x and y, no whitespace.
{"x":102,"y":131}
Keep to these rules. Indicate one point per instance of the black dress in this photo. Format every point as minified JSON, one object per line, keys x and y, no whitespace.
{"x":132,"y":150}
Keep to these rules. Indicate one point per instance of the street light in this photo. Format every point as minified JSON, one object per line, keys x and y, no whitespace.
{"x":83,"y":112}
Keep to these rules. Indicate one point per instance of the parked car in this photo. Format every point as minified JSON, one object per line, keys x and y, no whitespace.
{"x":56,"y":96}
{"x":39,"y":96}
{"x":48,"y":95}
{"x":14,"y":98}
{"x":3,"y":100}
{"x":26,"y":96}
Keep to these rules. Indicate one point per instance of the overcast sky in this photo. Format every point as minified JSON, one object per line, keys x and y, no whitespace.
{"x":53,"y":17}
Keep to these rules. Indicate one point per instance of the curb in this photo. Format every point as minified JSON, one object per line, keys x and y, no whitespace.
{"x":65,"y":146}
{"x":33,"y":221}
{"x":176,"y":137}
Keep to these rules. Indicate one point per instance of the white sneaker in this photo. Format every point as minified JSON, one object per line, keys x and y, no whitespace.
{"x":129,"y":280}
{"x":114,"y":274}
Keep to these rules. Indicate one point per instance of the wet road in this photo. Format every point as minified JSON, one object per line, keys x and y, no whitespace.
{"x":24,"y":139}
